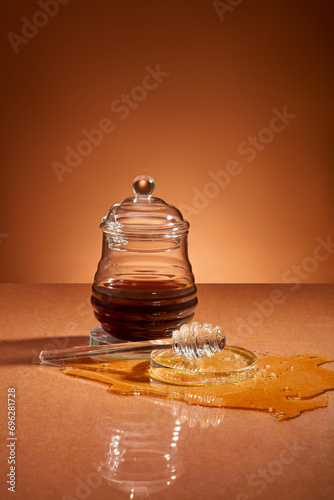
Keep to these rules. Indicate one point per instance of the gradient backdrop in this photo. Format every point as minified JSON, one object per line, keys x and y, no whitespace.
{"x":226,"y":70}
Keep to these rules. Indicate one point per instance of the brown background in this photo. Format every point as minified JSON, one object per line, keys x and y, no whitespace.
{"x":225,"y":78}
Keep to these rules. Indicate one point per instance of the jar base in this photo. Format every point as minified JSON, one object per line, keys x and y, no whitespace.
{"x":98,"y":336}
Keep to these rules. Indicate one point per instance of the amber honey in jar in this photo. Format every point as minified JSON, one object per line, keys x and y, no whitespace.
{"x":136,"y":310}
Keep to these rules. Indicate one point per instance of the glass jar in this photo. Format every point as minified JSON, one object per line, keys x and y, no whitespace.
{"x":144,"y":287}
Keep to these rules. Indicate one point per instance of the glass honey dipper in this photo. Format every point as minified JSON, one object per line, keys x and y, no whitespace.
{"x":192,"y":342}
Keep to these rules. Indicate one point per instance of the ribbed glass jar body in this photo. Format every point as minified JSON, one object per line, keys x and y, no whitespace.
{"x":144,"y":287}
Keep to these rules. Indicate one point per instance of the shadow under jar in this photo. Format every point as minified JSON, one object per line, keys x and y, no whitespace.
{"x":144,"y":287}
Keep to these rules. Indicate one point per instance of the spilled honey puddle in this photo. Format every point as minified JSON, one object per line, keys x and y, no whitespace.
{"x":284,"y":386}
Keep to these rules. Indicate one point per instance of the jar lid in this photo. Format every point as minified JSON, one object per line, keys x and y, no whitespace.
{"x":143,"y":214}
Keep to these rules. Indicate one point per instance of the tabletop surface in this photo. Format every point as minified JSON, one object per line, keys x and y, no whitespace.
{"x":70,"y":430}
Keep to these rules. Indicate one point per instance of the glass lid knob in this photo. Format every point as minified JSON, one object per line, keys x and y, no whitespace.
{"x":143,"y":185}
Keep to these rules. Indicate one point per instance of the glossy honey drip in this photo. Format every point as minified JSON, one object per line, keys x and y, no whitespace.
{"x":285,"y":387}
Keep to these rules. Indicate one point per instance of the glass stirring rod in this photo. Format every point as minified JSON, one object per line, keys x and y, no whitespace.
{"x":191,"y":341}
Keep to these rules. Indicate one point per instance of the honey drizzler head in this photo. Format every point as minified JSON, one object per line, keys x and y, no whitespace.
{"x":144,"y":287}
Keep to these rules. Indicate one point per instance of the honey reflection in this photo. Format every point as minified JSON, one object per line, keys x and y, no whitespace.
{"x":142,"y":457}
